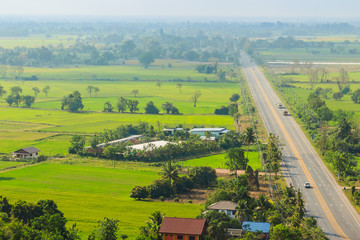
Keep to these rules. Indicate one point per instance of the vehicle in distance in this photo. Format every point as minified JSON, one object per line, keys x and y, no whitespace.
{"x":285,"y":113}
{"x":307,"y":185}
{"x":279,"y":105}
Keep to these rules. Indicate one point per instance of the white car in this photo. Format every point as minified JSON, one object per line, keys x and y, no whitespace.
{"x":307,"y":185}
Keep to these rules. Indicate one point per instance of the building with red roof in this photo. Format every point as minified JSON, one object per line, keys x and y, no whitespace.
{"x":182,"y":228}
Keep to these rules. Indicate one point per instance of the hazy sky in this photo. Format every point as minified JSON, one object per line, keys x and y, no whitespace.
{"x":200,"y":8}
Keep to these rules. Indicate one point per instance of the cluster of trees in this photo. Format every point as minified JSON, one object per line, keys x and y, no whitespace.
{"x":231,"y":109}
{"x":41,"y":220}
{"x":72,"y":102}
{"x":207,"y":68}
{"x":15,"y":97}
{"x":171,"y":183}
{"x":124,"y":104}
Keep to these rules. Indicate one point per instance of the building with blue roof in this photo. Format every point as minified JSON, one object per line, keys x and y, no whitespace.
{"x":263,"y":227}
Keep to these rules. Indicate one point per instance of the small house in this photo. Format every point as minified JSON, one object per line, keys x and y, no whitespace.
{"x":171,"y":131}
{"x":174,"y":228}
{"x":214,"y":132}
{"x":29,"y":152}
{"x":229,"y":208}
{"x":262,"y":227}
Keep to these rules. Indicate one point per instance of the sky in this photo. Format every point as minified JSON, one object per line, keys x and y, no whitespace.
{"x":336,"y":9}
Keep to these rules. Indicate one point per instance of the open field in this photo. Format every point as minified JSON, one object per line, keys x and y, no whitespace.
{"x":36,"y":41}
{"x":218,"y":161}
{"x":5,"y":164}
{"x":87,"y":194}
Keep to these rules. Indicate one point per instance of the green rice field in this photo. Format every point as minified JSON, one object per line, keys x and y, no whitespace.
{"x":87,"y":194}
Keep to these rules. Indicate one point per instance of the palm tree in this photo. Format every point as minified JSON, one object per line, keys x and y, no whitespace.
{"x":242,"y":210}
{"x":249,"y":137}
{"x":170,"y":171}
{"x":154,"y":223}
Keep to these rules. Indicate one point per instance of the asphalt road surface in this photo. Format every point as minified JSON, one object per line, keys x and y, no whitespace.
{"x":325,"y":199}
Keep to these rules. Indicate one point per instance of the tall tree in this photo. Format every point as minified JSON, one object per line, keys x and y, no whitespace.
{"x":146,"y":58}
{"x":16,"y":90}
{"x":73,"y":102}
{"x":36,"y":91}
{"x":135,"y":92}
{"x":106,"y":230}
{"x":273,"y":153}
{"x":195,"y":97}
{"x":179,"y":86}
{"x":249,"y":138}
{"x":90,"y":89}
{"x":236,"y":160}
{"x":46,"y":90}
{"x":159,"y":84}
{"x":121,"y":104}
{"x":132,"y":105}
{"x":170,"y":171}
{"x":96,"y":90}
{"x":108,"y":107}
{"x":28,"y":100}
{"x":2,"y":91}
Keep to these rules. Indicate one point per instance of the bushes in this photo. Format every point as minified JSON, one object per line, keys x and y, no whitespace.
{"x":139,"y":192}
{"x":202,"y":176}
{"x":160,"y":188}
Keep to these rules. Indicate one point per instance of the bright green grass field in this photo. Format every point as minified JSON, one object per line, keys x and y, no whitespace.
{"x":88,"y":194}
{"x":218,"y":161}
{"x":121,"y":72}
{"x":5,"y":164}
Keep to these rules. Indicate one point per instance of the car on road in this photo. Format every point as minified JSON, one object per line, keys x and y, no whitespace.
{"x":279,"y":105}
{"x":307,"y":185}
{"x":285,"y":113}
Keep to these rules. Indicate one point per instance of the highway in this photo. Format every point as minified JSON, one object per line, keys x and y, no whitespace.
{"x":325,"y":199}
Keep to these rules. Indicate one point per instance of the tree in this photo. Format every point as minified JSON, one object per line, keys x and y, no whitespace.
{"x":170,"y":172}
{"x":151,"y":108}
{"x":146,"y":58}
{"x":237,"y":120}
{"x":135,"y":92}
{"x":273,"y":153}
{"x":139,"y":192}
{"x":73,"y":102}
{"x":90,"y":89}
{"x":159,"y":84}
{"x":355,"y":96}
{"x":108,"y":107}
{"x":338,"y":95}
{"x":28,"y":100}
{"x":16,"y":90}
{"x":235,"y":97}
{"x":236,"y":160}
{"x":105,"y":230}
{"x":96,"y":90}
{"x":77,"y":144}
{"x":2,"y":91}
{"x":132,"y":105}
{"x":127,"y":48}
{"x":170,"y":108}
{"x":324,"y":113}
{"x":249,"y":138}
{"x":179,"y":86}
{"x":195,"y":97}
{"x":202,"y":176}
{"x":36,"y":91}
{"x":122,"y":104}
{"x":13,"y":99}
{"x":46,"y":90}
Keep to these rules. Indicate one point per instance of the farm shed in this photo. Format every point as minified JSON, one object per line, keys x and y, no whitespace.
{"x":29,"y":152}
{"x":182,"y":228}
{"x":215,"y":132}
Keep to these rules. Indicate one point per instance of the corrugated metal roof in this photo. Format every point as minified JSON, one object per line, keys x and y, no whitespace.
{"x":223,"y":205}
{"x":149,"y":145}
{"x":190,"y":226}
{"x":256,"y":227}
{"x":29,"y":150}
{"x":207,"y":129}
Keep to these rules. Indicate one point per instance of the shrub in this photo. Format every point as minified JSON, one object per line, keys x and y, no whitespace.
{"x":176,"y":199}
{"x":160,"y":188}
{"x":222,"y":111}
{"x":202,"y":176}
{"x":189,"y":201}
{"x":139,"y":192}
{"x":162,"y":198}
